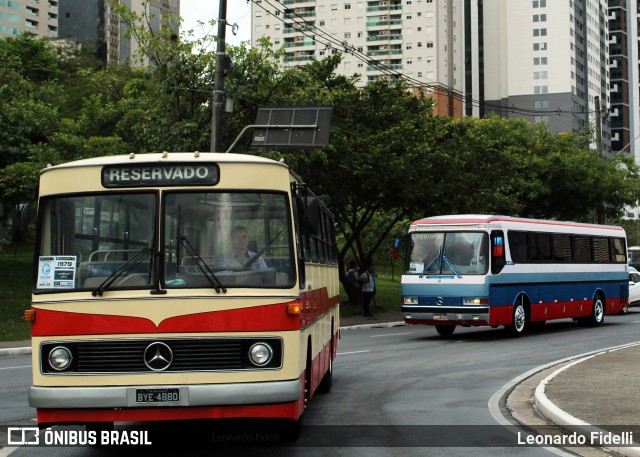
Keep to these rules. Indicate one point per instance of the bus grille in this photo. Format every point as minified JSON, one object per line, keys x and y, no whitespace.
{"x":128,"y":356}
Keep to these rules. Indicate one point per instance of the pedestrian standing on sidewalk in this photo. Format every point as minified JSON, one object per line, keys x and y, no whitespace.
{"x":366,"y":280}
{"x":352,"y":286}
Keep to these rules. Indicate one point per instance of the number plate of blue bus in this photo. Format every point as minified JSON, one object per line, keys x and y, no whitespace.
{"x":157,"y":395}
{"x":440,"y":317}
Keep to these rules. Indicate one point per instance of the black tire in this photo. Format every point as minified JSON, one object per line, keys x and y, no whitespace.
{"x":519,"y":320}
{"x":597,"y":312}
{"x":291,"y":429}
{"x":445,"y":331}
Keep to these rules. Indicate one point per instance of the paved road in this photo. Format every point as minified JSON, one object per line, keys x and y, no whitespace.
{"x":402,"y":387}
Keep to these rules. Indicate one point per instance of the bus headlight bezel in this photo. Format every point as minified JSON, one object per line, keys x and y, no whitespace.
{"x":64,"y":357}
{"x":260,"y":354}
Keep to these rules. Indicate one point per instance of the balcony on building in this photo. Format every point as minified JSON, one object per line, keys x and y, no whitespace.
{"x":384,"y":51}
{"x":300,"y":13}
{"x":385,"y":67}
{"x":298,"y":28}
{"x":53,"y":4}
{"x":31,"y":24}
{"x":31,"y":11}
{"x":300,"y":57}
{"x":384,"y":21}
{"x":298,"y":44}
{"x":384,"y":35}
{"x":377,"y":6}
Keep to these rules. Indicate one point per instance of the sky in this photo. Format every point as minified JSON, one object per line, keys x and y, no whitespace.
{"x":238,"y":11}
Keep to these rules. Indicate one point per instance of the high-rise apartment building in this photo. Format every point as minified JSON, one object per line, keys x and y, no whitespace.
{"x":543,"y":60}
{"x":90,"y":22}
{"x":417,"y":39}
{"x":39,"y":17}
{"x":623,"y":74}
{"x":94,"y":23}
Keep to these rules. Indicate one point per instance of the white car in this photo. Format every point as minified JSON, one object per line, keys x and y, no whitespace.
{"x":634,"y":287}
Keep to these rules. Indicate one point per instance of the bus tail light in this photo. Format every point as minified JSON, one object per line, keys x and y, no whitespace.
{"x":294,"y":308}
{"x":30,"y":315}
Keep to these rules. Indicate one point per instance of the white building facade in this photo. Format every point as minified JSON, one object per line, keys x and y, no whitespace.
{"x":417,"y":39}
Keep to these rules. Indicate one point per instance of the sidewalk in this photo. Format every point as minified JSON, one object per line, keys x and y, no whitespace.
{"x":596,"y":394}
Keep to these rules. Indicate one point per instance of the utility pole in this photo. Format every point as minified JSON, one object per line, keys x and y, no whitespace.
{"x":598,"y":125}
{"x":601,"y":218}
{"x":218,"y":92}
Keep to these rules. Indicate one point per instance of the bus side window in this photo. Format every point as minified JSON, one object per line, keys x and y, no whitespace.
{"x":497,"y":251}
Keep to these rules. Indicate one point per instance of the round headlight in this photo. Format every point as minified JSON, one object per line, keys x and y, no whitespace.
{"x":60,"y":358}
{"x":260,"y":354}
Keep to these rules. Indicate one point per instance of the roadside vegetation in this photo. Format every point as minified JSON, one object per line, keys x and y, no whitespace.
{"x":389,"y":160}
{"x":15,"y":290}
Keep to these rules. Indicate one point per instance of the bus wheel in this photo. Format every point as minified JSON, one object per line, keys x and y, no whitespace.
{"x":291,"y":429}
{"x":445,"y":331}
{"x":597,"y":313}
{"x":519,"y":321}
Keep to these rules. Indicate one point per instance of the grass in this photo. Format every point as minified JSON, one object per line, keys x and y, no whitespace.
{"x":15,"y":291}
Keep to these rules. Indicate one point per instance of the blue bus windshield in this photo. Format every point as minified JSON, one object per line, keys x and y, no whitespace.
{"x":448,"y":253}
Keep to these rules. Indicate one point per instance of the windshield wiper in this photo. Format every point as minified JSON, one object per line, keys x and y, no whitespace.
{"x":425,"y":269}
{"x":445,"y":259}
{"x":202,"y":265}
{"x":124,"y":269}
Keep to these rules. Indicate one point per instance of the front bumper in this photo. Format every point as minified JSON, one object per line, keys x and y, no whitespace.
{"x":446,"y":314}
{"x":254,"y":393}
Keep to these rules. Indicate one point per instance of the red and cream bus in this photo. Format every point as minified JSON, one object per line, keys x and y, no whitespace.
{"x":146,"y":307}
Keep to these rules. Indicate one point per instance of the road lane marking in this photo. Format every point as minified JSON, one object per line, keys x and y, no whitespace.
{"x":11,"y":368}
{"x":390,"y":334}
{"x":354,"y":352}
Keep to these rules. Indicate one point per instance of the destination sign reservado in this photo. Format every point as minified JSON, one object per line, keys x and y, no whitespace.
{"x":174,"y":174}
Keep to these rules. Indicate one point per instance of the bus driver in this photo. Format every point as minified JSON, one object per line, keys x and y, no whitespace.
{"x":240,"y":256}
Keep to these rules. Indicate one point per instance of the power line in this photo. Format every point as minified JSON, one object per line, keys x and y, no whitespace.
{"x":443,"y":89}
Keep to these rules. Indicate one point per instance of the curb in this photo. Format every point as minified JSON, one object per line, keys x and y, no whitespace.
{"x":565,"y":420}
{"x":374,"y":325}
{"x":12,"y":352}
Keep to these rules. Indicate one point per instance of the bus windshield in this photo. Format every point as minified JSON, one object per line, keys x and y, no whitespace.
{"x":86,"y":240}
{"x":448,"y":253}
{"x":227,"y":239}
{"x":211,"y":240}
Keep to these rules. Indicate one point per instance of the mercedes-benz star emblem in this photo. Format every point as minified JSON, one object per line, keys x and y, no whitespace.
{"x":439,"y":301}
{"x":158,"y":356}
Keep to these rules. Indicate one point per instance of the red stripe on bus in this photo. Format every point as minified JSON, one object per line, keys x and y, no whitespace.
{"x":253,"y":319}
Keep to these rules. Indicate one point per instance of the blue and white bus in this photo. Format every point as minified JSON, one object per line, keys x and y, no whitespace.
{"x":481,"y":270}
